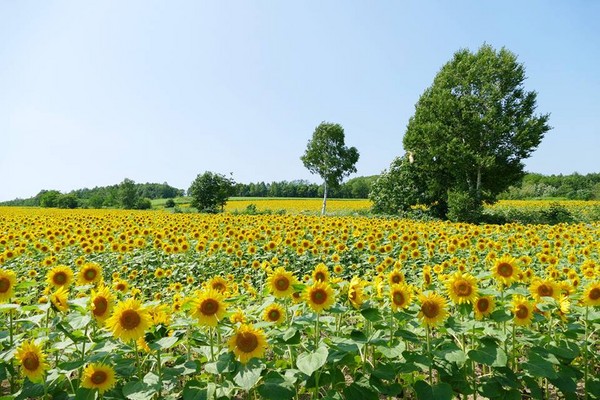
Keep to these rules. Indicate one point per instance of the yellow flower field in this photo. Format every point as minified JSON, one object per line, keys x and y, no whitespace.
{"x":128,"y":305}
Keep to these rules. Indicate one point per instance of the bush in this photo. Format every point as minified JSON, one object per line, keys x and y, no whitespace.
{"x":464,"y":207}
{"x":170,"y":203}
{"x":143,"y":204}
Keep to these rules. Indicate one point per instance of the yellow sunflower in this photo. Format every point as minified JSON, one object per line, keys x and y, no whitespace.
{"x":401,"y":296}
{"x":8,"y":280}
{"x":281,"y":282}
{"x":356,"y":289}
{"x":484,"y":306}
{"x":217,"y":283}
{"x":101,"y":303}
{"x":59,"y":299}
{"x":395,"y":277}
{"x":248,"y":343}
{"x":33,"y":361}
{"x":238,"y":317}
{"x":274,"y":313}
{"x":591,"y":295}
{"x":209,"y":308}
{"x":60,"y":276}
{"x":544,"y":288}
{"x":433,"y":310}
{"x":320,"y":296}
{"x":129,"y":320}
{"x":89,"y":273}
{"x":462,"y":288}
{"x":522,"y":310}
{"x":98,"y":376}
{"x":506,"y":269}
{"x":320,"y":273}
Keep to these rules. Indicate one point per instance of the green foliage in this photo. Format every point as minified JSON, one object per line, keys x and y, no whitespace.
{"x":472,"y":128}
{"x":464,"y":207}
{"x":67,"y":201}
{"x":48,"y":198}
{"x":327,"y":155}
{"x":128,"y":196}
{"x":394,"y":191}
{"x":143,"y":204}
{"x":209,"y":192}
{"x":170,"y":203}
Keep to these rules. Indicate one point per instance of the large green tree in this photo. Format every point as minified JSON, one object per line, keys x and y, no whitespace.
{"x":470,"y":132}
{"x":327,"y":155}
{"x":210,"y":192}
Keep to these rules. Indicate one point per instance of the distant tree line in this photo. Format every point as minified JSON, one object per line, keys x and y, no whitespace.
{"x":127,"y":194}
{"x":574,"y":186}
{"x":355,"y":188}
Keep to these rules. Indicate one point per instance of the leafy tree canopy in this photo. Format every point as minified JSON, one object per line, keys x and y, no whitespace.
{"x":210,"y":191}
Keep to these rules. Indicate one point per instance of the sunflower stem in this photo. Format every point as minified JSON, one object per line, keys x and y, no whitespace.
{"x":428,"y":335}
{"x":159,"y":372}
{"x":513,"y":350}
{"x":585,"y":353}
{"x":11,"y":344}
{"x":137,"y":359}
{"x":212,"y":348}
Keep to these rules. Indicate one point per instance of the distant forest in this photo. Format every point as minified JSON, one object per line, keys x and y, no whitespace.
{"x":129,"y":194}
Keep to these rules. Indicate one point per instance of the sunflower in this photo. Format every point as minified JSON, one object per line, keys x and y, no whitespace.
{"x":89,"y":273}
{"x":217,"y":283}
{"x":60,"y":276}
{"x":484,"y":306}
{"x":98,"y":376}
{"x":209,"y":307}
{"x":462,"y":288}
{"x":544,"y":288}
{"x":59,"y":299}
{"x":522,"y":310}
{"x":8,"y":280}
{"x":281,"y":282}
{"x":400,"y":295}
{"x":101,"y":303}
{"x":356,"y":291}
{"x":433,"y":309}
{"x":320,"y":273}
{"x":238,"y":317}
{"x":591,"y":295}
{"x":319,"y":296}
{"x":274,"y":313}
{"x":129,"y":320}
{"x":395,"y":277}
{"x":506,"y":269}
{"x":248,"y":343}
{"x":33,"y":361}
{"x":120,"y":285}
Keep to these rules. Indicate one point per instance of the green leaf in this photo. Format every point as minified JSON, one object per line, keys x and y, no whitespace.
{"x":139,"y":390}
{"x":291,"y":336}
{"x":371,"y":314}
{"x":308,"y":363}
{"x":85,"y":394}
{"x":194,"y":390}
{"x":357,"y":391}
{"x":489,"y":354}
{"x":534,"y":388}
{"x":440,"y":391}
{"x":276,"y":387}
{"x":539,"y":367}
{"x":164,"y":343}
{"x":249,"y":374}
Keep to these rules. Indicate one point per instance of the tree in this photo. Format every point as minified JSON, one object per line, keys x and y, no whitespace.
{"x":128,"y":195}
{"x":470,"y":132}
{"x":327,"y":155}
{"x":210,"y":191}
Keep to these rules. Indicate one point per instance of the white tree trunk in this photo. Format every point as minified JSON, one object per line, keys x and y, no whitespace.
{"x":324,"y":198}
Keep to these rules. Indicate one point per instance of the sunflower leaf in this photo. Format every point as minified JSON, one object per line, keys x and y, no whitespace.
{"x":310,"y":362}
{"x":249,"y":374}
{"x":441,"y":391}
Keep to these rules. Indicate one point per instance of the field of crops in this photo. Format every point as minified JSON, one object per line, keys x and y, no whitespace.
{"x":128,"y":304}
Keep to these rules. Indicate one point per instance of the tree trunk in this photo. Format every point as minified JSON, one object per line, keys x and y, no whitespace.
{"x":478,"y":185}
{"x":324,"y":198}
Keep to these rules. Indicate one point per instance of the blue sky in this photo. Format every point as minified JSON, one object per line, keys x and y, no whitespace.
{"x":157,"y":91}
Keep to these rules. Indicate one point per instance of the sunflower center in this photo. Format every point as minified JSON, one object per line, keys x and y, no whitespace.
{"x":4,"y":285}
{"x":318,"y":296}
{"x":218,"y":286}
{"x":246,"y":342}
{"x":282,"y":283}
{"x":31,"y":361}
{"x":430,"y":309}
{"x":505,"y":270}
{"x":274,"y":315}
{"x":594,"y":294}
{"x":90,"y":274}
{"x":545,"y":290}
{"x":209,"y":307}
{"x":99,"y":377}
{"x":398,"y":298}
{"x":396,"y":279}
{"x":130,"y":319}
{"x":319,"y":276}
{"x":120,"y":287}
{"x":463,"y":288}
{"x":522,"y":311}
{"x":60,"y":278}
{"x":483,"y":305}
{"x":100,"y":306}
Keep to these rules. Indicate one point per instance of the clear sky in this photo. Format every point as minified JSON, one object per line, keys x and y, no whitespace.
{"x":160,"y":91}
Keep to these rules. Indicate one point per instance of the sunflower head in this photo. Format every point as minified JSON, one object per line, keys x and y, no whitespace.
{"x":400,"y":296}
{"x":60,"y":276}
{"x":129,"y":320}
{"x":98,"y":376}
{"x":320,"y":296}
{"x":101,"y":303}
{"x":89,"y":273}
{"x":59,"y":299}
{"x":483,"y":307}
{"x":320,"y":273}
{"x":544,"y":288}
{"x":433,"y":310}
{"x":281,"y":282}
{"x":522,"y":310}
{"x":462,"y":288}
{"x":591,"y":295}
{"x":217,"y":283}
{"x":8,"y":280}
{"x":506,"y":270}
{"x":33,"y":361}
{"x":248,"y":343}
{"x":274,"y":313}
{"x":209,"y":307}
{"x":356,"y":289}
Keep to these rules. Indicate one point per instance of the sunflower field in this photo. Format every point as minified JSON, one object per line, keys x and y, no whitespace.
{"x":135,"y":305}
